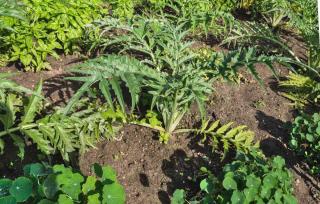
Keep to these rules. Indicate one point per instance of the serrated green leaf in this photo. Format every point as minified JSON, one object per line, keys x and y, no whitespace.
{"x":224,"y":128}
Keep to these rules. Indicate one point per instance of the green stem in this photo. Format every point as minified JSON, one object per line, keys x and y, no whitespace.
{"x":160,"y":129}
{"x":172,"y":115}
{"x":12,"y":130}
{"x":184,"y":131}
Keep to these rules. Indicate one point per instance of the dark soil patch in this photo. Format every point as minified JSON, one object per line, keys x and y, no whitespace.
{"x":150,"y":171}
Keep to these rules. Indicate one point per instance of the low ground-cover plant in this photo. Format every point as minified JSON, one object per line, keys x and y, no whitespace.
{"x":51,"y":27}
{"x":305,"y":140}
{"x":249,"y":179}
{"x":44,"y":184}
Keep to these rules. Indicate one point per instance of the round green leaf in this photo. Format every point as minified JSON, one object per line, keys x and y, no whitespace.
{"x":94,"y":199}
{"x":70,"y":183}
{"x":5,"y":185}
{"x":64,"y":199}
{"x":253,"y":181}
{"x":113,"y":194}
{"x":269,"y":181}
{"x":265,"y":192}
{"x":179,"y":197}
{"x":109,"y":173}
{"x":278,"y":162}
{"x":250,"y":194}
{"x":21,"y":189}
{"x":294,"y":143}
{"x":310,"y":137}
{"x":237,"y":197}
{"x":229,"y":183}
{"x":206,"y":185}
{"x":35,"y":170}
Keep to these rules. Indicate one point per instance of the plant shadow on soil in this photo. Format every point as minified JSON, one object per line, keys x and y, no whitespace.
{"x":150,"y":171}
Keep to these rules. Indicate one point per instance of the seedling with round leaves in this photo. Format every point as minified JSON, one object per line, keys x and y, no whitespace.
{"x":251,"y":178}
{"x":305,"y":140}
{"x":45,"y":184}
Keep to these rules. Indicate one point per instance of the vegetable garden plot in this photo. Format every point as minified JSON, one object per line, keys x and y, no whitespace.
{"x":152,"y":65}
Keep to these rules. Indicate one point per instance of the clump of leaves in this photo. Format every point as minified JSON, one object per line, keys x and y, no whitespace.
{"x":51,"y":27}
{"x":305,"y":140}
{"x":54,"y":132}
{"x":162,"y":64}
{"x":249,"y":179}
{"x":166,"y":72}
{"x":227,"y":65}
{"x":42,"y":183}
{"x":302,"y":90}
{"x":224,"y":135}
{"x":171,"y":94}
{"x":10,"y":9}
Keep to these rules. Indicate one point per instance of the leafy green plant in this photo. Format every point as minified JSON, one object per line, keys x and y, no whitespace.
{"x":52,"y":27}
{"x":274,"y":12}
{"x":227,"y":65}
{"x":249,"y":179}
{"x":224,"y":135}
{"x":302,"y":90}
{"x":305,"y":140}
{"x":167,"y":69}
{"x":166,"y":72}
{"x":10,"y":9}
{"x":253,"y":33}
{"x":42,"y":183}
{"x":172,"y":94}
{"x":54,"y":132}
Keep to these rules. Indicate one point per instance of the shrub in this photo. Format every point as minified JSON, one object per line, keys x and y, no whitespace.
{"x":51,"y":27}
{"x":305,"y":140}
{"x":249,"y":179}
{"x":42,"y":183}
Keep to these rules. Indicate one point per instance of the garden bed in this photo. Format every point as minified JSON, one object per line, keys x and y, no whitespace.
{"x":172,"y":101}
{"x":151,"y":171}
